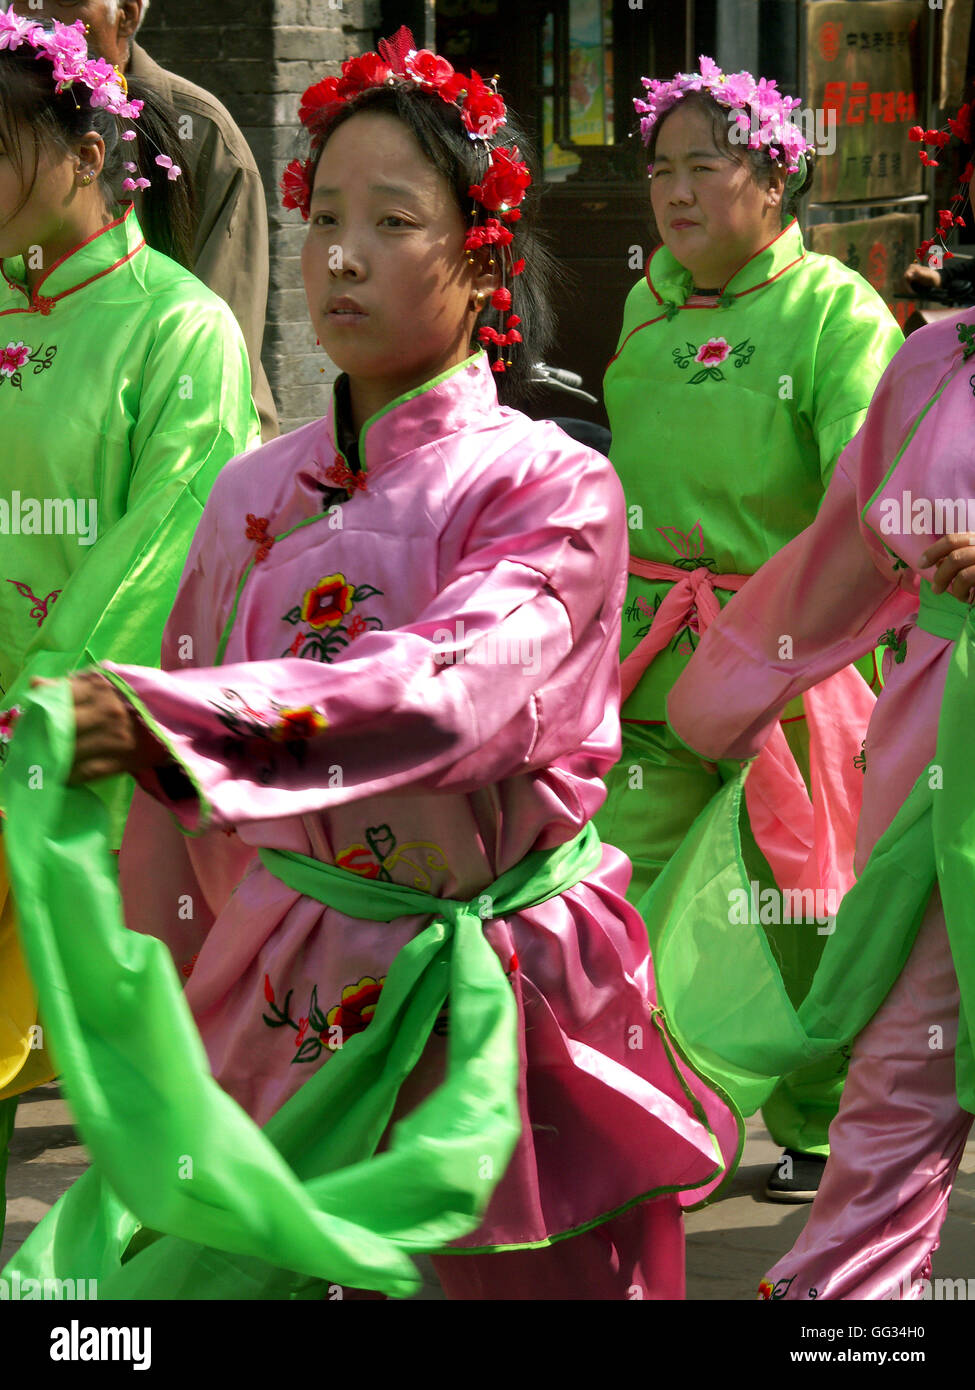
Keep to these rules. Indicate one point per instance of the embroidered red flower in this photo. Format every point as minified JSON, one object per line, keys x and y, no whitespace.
{"x":326,"y":604}
{"x":357,"y":627}
{"x":505,"y":183}
{"x":268,"y":990}
{"x":713,"y":351}
{"x":304,"y":722}
{"x":358,"y":859}
{"x":356,"y":1010}
{"x":765,"y":1289}
{"x":296,"y":186}
{"x":13,"y":357}
{"x":302,"y":1030}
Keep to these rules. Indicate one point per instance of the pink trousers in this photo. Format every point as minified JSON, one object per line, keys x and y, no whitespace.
{"x":634,"y":1256}
{"x":894,"y":1147}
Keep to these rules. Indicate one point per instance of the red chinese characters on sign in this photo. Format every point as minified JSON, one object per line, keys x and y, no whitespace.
{"x":852,"y":101}
{"x":829,"y":41}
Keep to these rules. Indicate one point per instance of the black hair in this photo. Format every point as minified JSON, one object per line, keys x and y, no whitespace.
{"x":757,"y":160}
{"x":30,"y":102}
{"x":442,"y":136}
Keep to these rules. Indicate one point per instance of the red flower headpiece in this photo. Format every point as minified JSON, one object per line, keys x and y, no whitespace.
{"x":960,"y":125}
{"x":482,"y":110}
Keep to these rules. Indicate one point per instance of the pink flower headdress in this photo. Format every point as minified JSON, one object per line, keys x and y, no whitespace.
{"x":66,"y":48}
{"x":960,"y":125}
{"x":502,"y":187}
{"x":761,"y":108}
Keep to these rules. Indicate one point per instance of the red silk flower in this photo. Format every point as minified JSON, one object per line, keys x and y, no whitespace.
{"x":483,"y":110}
{"x":504,"y":183}
{"x":296,"y":186}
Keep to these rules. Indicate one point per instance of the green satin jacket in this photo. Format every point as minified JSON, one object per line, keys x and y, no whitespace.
{"x":727,"y":421}
{"x":124,"y":389}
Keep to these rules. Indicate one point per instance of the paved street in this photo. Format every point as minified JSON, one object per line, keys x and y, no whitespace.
{"x":729,"y":1245}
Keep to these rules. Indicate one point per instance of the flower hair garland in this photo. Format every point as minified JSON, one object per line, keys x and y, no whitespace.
{"x":502,"y":187}
{"x":960,"y":125}
{"x":761,"y":108}
{"x":66,"y":48}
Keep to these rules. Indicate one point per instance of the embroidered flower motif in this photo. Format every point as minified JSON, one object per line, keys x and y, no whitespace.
{"x":860,"y":760}
{"x":303,"y":722}
{"x":257,"y":531}
{"x":40,"y":605}
{"x":327,"y":602}
{"x":765,"y":1289}
{"x":355,"y":1012}
{"x":897,"y":643}
{"x":358,"y":859}
{"x":328,"y":1032}
{"x":186,"y":970}
{"x":324,"y":607}
{"x":290,"y":727}
{"x":712,"y":352}
{"x":709,"y":354}
{"x":13,"y":357}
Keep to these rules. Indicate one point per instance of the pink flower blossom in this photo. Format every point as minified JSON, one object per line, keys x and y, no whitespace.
{"x":130,"y":184}
{"x":14,"y":30}
{"x":128,"y":134}
{"x":164,"y":162}
{"x":713,"y":351}
{"x":13,"y":357}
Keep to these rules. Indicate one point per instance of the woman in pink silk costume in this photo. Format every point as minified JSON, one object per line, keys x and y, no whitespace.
{"x":394,"y":651}
{"x":889,"y":557}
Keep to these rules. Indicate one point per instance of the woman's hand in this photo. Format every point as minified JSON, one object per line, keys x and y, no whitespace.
{"x":919,"y":278}
{"x":109,"y":736}
{"x":955,"y":559}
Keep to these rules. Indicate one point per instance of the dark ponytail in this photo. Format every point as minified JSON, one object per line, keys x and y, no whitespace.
{"x":30,"y":102}
{"x":167,"y":209}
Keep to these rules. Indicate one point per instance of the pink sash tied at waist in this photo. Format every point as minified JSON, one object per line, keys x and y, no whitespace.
{"x":809,"y":842}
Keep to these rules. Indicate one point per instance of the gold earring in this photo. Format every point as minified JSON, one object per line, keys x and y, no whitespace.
{"x":480,"y":299}
{"x":87,"y":179}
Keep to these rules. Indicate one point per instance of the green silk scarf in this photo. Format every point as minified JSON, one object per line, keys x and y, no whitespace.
{"x":719,"y":980}
{"x":186,"y":1197}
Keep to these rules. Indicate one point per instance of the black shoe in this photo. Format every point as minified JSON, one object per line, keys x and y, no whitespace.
{"x":795,"y":1178}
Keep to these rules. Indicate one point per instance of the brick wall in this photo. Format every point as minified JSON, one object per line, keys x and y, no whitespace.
{"x":259,"y":67}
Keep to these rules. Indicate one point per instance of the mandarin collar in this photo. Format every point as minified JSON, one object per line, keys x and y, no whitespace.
{"x":104,"y":251}
{"x":439,"y":408}
{"x":671,"y":283}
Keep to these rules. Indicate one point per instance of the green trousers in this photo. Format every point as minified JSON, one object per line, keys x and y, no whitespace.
{"x":654,"y":794}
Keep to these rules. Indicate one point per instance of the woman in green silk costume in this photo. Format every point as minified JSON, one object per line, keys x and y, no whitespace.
{"x":744,"y":366}
{"x":124,"y":388}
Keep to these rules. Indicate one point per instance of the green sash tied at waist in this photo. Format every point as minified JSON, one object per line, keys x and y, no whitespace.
{"x":712,"y":914}
{"x":186,"y":1196}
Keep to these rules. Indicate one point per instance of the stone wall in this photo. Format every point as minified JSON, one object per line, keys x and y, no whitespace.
{"x":258,"y":67}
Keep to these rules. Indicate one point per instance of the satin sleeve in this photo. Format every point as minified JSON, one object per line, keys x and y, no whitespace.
{"x":510,"y":666}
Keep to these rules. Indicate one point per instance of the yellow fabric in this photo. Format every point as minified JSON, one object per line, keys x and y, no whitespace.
{"x":23,"y":1064}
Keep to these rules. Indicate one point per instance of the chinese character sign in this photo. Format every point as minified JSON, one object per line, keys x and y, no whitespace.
{"x":880,"y":248}
{"x":863,"y":73}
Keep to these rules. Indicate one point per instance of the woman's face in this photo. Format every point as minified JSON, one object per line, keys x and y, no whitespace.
{"x":710,"y":211}
{"x":39,"y":222}
{"x":389,"y":290}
